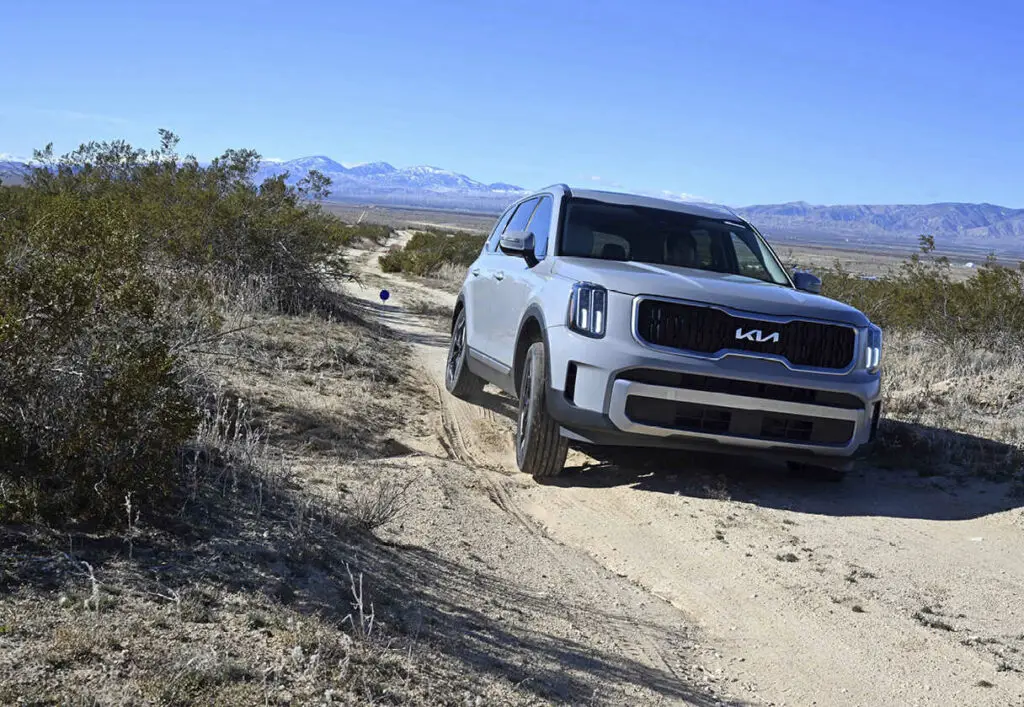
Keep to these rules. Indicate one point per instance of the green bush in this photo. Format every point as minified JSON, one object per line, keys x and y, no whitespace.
{"x":428,"y":251}
{"x":111,"y":259}
{"x":373,"y":232}
{"x":986,"y":310}
{"x":209,"y":222}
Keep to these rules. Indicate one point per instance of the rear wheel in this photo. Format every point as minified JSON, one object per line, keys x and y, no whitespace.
{"x":813,"y":472}
{"x":458,"y":379}
{"x":540,"y":448}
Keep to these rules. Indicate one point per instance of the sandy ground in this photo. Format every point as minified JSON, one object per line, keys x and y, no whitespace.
{"x":725,"y":579}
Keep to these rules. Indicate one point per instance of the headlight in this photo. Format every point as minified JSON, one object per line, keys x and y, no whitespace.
{"x":873,"y":349}
{"x":588,"y":309}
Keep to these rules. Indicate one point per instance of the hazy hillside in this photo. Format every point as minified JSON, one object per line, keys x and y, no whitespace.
{"x":980,"y":226}
{"x":12,"y":172}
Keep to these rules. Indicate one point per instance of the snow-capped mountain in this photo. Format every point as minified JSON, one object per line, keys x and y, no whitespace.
{"x":12,"y":169}
{"x":420,"y":186}
{"x":369,"y":169}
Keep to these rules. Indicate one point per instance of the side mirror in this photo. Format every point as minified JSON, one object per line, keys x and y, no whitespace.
{"x":808,"y":282}
{"x":518,"y":243}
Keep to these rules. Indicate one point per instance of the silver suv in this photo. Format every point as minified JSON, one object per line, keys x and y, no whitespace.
{"x":624,"y":320}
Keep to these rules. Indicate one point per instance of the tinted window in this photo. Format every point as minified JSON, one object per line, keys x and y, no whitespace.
{"x":648,"y":235}
{"x":522,"y":216}
{"x":749,"y":261}
{"x":492,"y":241}
{"x":540,"y":227}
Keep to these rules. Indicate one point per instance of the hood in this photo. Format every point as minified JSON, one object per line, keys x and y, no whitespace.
{"x":734,"y":291}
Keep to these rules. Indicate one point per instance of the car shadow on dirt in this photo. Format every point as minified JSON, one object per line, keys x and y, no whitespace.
{"x":497,"y":402}
{"x":885,"y":485}
{"x":905,"y":482}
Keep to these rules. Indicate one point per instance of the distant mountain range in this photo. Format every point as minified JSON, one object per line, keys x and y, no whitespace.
{"x":981,"y":227}
{"x":383,"y":183}
{"x":967,"y":227}
{"x":11,"y":171}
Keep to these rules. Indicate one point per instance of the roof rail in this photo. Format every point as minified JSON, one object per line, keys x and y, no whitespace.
{"x":559,"y":186}
{"x":719,"y":207}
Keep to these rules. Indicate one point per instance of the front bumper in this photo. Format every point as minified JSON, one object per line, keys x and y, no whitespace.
{"x":827,"y":419}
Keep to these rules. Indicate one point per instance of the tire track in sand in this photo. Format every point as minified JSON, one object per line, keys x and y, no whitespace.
{"x":461,"y":426}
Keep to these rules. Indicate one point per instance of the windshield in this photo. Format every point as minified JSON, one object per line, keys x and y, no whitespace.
{"x":594,"y":229}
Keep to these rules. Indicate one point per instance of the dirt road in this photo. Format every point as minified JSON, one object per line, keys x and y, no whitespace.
{"x":730,"y":579}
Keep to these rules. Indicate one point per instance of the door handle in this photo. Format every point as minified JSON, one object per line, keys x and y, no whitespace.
{"x":475,"y":271}
{"x":499,"y":275}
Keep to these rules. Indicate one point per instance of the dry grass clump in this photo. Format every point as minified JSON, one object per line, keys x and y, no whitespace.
{"x":381,"y":501}
{"x":440,"y":313}
{"x":953,"y":409}
{"x":327,"y":389}
{"x":451,"y":273}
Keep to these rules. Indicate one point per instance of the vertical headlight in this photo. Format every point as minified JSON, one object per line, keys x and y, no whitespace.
{"x":588,"y":309}
{"x":873,"y":349}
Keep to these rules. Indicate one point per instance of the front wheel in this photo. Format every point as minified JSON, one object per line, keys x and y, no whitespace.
{"x":540,"y":448}
{"x":458,"y":379}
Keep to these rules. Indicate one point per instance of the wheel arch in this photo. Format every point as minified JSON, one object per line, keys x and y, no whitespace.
{"x":460,"y":304}
{"x":532,"y":329}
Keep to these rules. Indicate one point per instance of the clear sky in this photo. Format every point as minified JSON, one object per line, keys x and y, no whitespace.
{"x":741,"y":102}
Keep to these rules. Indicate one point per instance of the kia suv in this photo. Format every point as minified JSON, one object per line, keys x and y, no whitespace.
{"x":624,"y":320}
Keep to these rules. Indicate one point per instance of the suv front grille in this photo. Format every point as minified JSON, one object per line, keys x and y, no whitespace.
{"x":708,"y":330}
{"x":696,"y":417}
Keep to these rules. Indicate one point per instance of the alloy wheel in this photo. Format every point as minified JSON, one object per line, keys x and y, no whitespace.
{"x":457,"y":349}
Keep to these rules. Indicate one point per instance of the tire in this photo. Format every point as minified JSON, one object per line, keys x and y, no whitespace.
{"x":812,"y":472}
{"x":540,"y":448}
{"x":458,"y":379}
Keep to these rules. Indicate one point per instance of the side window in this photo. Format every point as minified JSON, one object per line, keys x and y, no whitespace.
{"x":522,"y":216}
{"x":540,"y":226}
{"x":499,"y":227}
{"x":705,"y":257}
{"x":748,"y":261}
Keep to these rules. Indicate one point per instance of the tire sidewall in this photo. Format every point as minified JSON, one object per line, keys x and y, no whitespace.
{"x":452,"y":380}
{"x":534,"y":365}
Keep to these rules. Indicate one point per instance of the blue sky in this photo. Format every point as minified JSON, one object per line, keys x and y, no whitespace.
{"x":736,"y":101}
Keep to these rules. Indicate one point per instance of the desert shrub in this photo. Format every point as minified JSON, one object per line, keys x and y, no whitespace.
{"x":428,"y":251}
{"x":442,"y":231}
{"x":208,"y":221}
{"x":373,"y":232}
{"x":986,"y":310}
{"x":110,"y":260}
{"x":91,"y":402}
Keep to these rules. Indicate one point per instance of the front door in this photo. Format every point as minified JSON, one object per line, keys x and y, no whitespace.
{"x":520,"y":280}
{"x":489,"y":303}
